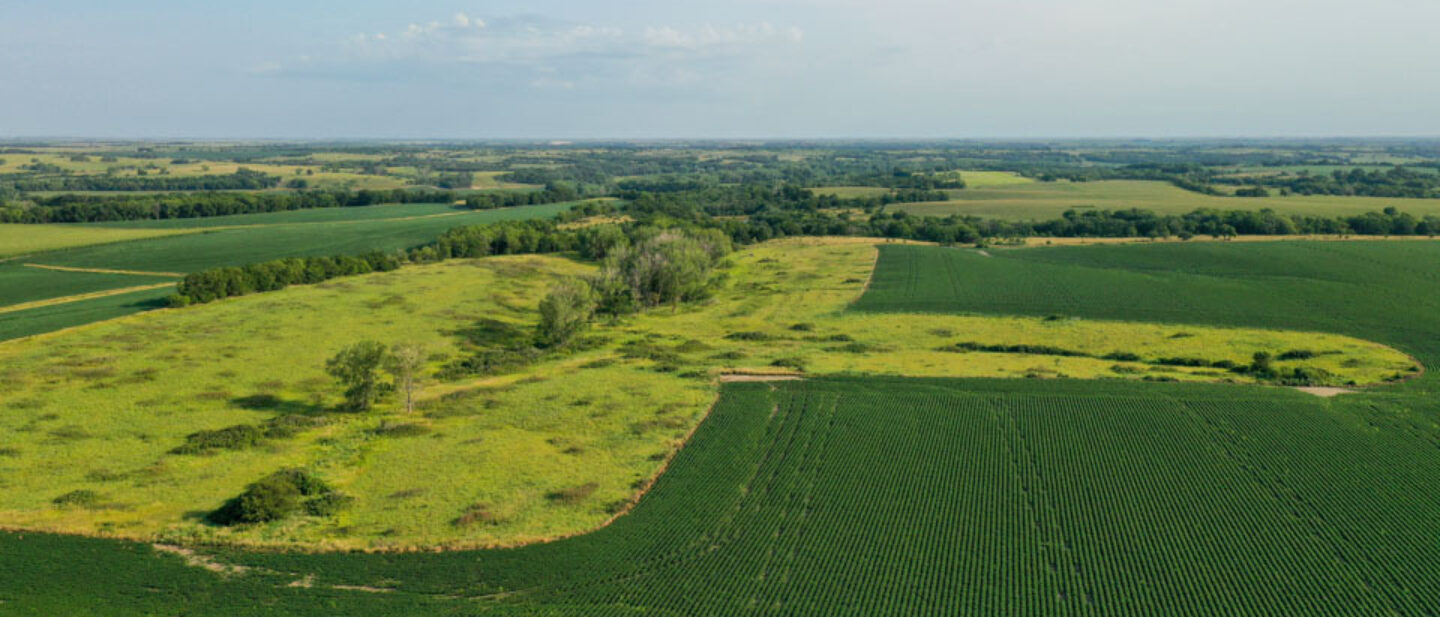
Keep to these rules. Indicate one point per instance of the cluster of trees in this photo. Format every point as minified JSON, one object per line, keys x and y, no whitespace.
{"x":1398,"y":181}
{"x":648,"y":268}
{"x":242,"y":179}
{"x":553,"y":193}
{"x":214,"y":284}
{"x":358,"y":368}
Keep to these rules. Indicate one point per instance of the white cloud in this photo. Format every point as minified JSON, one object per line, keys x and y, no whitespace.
{"x":567,"y":55}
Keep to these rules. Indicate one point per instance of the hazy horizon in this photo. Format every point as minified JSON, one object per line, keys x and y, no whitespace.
{"x":752,"y":70}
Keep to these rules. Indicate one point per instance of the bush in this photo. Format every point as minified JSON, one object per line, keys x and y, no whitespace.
{"x":1121,"y":356}
{"x":238,"y":437}
{"x":328,"y":504}
{"x":272,"y":498}
{"x":791,"y":363}
{"x":1296,"y":354}
{"x":747,"y":336}
{"x":77,"y":499}
{"x":400,"y":429}
{"x":573,"y":495}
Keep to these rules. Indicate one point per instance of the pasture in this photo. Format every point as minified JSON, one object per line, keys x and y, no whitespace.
{"x":1048,"y":200}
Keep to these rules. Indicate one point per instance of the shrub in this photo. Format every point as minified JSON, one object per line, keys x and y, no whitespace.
{"x":82,"y":498}
{"x":747,"y":336}
{"x":1121,"y":356}
{"x":272,"y":498}
{"x":477,"y":513}
{"x":328,"y":504}
{"x":238,"y":437}
{"x":400,"y":429}
{"x":573,"y":495}
{"x":791,"y":363}
{"x":803,"y":327}
{"x":1296,"y":354}
{"x":728,"y":355}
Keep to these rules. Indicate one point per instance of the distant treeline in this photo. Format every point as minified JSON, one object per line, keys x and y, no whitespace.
{"x":242,"y":179}
{"x":598,"y":242}
{"x":100,"y":208}
{"x":1078,"y":224}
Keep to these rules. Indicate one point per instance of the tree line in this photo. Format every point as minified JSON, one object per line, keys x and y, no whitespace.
{"x":242,"y":179}
{"x":102,"y":208}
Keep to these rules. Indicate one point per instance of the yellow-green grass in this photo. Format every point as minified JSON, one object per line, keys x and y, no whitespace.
{"x":28,"y":239}
{"x":988,"y":179}
{"x":1046,"y":200}
{"x":99,"y":407}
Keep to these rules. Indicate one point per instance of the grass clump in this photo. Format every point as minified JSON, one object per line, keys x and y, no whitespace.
{"x":83,"y":498}
{"x":573,"y":495}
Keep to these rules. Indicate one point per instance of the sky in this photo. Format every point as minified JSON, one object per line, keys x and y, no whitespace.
{"x":727,"y":69}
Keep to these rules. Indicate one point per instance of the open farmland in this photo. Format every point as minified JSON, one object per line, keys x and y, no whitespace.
{"x":718,"y":392}
{"x":20,"y":240}
{"x":822,"y":497}
{"x":528,"y":428}
{"x":237,"y":241}
{"x":1047,"y":200}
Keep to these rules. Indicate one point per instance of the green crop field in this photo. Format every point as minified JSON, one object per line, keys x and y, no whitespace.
{"x":1047,"y":200}
{"x":912,"y":497}
{"x":314,"y":215}
{"x":17,"y":240}
{"x":1381,"y":291}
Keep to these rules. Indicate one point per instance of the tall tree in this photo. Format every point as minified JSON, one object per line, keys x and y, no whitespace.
{"x":404,"y":364}
{"x":358,"y":368}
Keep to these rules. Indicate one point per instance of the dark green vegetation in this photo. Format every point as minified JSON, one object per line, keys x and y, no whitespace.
{"x":915,"y":497}
{"x":1382,"y":291}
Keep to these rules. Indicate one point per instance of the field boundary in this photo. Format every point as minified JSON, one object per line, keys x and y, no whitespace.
{"x":79,"y":297}
{"x":104,"y":270}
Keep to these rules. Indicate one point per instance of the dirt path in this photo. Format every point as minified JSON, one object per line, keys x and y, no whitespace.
{"x":746,"y":377}
{"x":105,"y":271}
{"x":76,"y":298}
{"x":1324,"y":392}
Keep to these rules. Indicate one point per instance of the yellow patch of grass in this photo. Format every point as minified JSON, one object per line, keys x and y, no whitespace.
{"x":28,"y":239}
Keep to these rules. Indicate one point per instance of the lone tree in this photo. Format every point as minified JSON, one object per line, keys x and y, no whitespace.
{"x":404,"y":364}
{"x":565,"y":312}
{"x":358,"y":367}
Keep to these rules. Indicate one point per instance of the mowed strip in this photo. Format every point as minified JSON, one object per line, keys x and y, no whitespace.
{"x":104,"y":271}
{"x":78,"y":297}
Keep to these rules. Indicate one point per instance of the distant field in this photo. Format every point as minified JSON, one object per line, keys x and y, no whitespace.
{"x":28,"y":239}
{"x":313,"y":215}
{"x":1046,"y":200}
{"x":334,"y":231}
{"x":990,"y":179}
